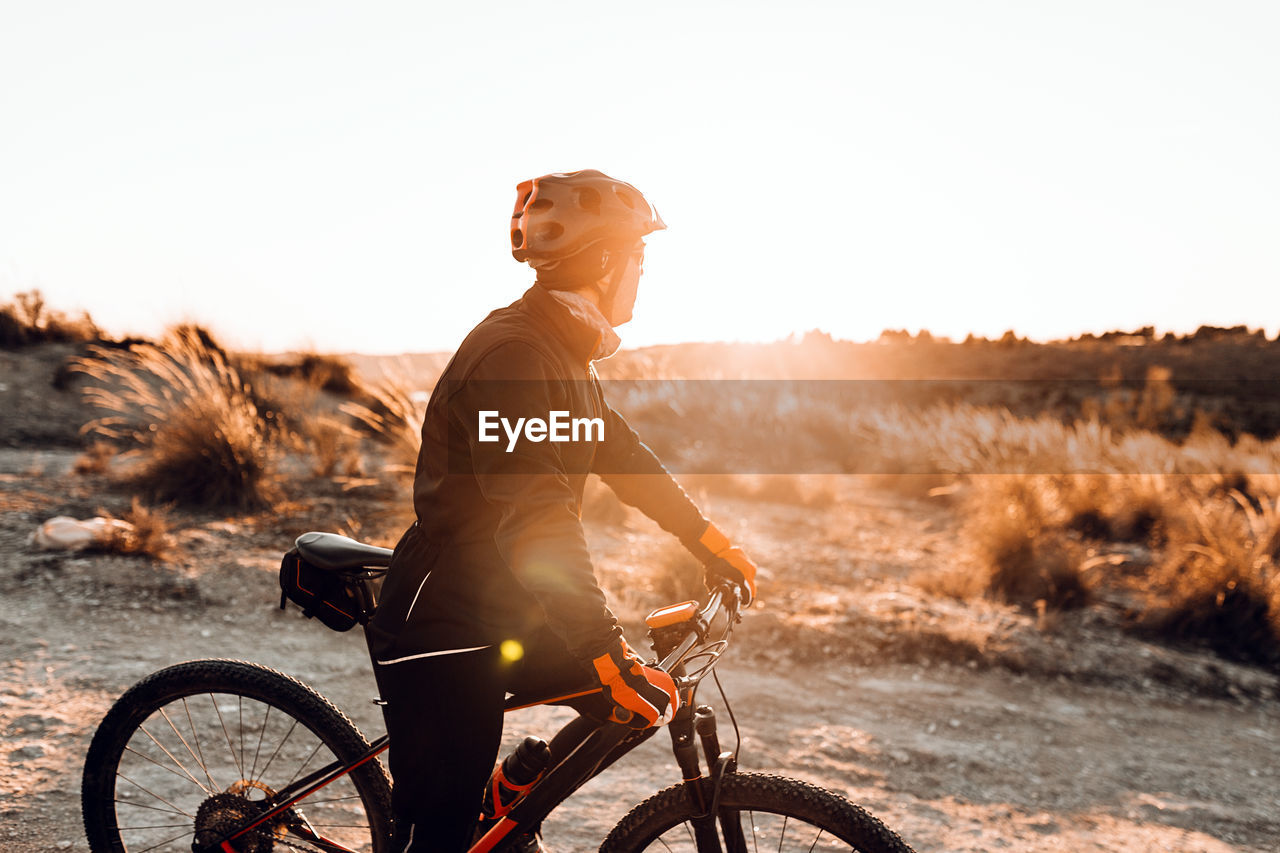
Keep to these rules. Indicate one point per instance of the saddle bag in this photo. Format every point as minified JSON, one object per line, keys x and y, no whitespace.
{"x":340,"y":600}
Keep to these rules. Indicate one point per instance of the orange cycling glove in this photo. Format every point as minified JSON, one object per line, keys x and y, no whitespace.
{"x":726,"y":560}
{"x":644,"y":696}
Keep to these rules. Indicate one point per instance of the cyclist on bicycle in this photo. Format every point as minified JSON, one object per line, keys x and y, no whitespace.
{"x":491,"y":591}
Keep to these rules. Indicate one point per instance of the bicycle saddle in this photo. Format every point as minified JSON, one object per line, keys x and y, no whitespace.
{"x":331,"y":551}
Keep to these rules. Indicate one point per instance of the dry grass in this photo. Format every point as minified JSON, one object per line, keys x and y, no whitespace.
{"x":394,"y":417}
{"x":148,"y":534}
{"x":96,"y":459}
{"x":676,"y":575}
{"x":1023,"y":559}
{"x":334,"y":447}
{"x":1220,"y":581}
{"x":330,"y":373}
{"x":1045,"y":500}
{"x":200,"y":439}
{"x":28,"y":320}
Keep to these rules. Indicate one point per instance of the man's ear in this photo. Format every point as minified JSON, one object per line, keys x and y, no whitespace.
{"x":604,"y":259}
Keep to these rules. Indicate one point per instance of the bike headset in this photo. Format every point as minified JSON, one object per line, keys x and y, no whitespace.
{"x":558,"y":217}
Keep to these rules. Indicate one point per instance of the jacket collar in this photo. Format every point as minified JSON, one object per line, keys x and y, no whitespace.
{"x":580,"y":338}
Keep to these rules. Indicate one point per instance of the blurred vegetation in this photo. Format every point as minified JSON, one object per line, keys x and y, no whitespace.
{"x":188,"y":419}
{"x":1126,"y":470}
{"x":27,"y":320}
{"x":147,"y":533}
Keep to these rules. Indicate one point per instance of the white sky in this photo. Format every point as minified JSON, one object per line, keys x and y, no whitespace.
{"x":340,"y":176}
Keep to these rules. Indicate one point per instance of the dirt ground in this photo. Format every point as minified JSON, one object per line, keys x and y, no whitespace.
{"x":1125,"y":747}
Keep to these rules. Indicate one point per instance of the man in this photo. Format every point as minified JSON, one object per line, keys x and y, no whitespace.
{"x":492,"y":589}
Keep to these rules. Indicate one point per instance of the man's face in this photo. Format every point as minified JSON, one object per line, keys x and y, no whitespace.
{"x":624,"y":299}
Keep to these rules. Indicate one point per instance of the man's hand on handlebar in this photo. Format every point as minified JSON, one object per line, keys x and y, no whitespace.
{"x":722,"y":559}
{"x":733,"y":565}
{"x":643,"y":696}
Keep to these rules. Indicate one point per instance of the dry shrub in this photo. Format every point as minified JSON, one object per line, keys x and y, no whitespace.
{"x":96,"y":459}
{"x":329,"y":373}
{"x":1023,"y":560}
{"x":1220,"y":582}
{"x":676,"y":574}
{"x":149,"y":535}
{"x":394,"y":416}
{"x":200,"y":438}
{"x":28,"y":320}
{"x":1118,"y":508}
{"x":334,"y":446}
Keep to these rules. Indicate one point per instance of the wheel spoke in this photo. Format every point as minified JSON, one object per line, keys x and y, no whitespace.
{"x":153,"y":808}
{"x":166,"y":768}
{"x":784,"y":814}
{"x":258,"y":749}
{"x":279,"y":747}
{"x":179,"y":809}
{"x":166,"y":841}
{"x":185,"y":772}
{"x":144,"y":785}
{"x":226,"y":734}
{"x":334,"y":800}
{"x":183,"y":740}
{"x":195,"y":737}
{"x":298,"y":772}
{"x":240,"y":733}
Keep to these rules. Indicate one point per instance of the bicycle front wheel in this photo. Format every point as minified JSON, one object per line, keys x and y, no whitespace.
{"x":758,"y":812}
{"x":192,"y":752}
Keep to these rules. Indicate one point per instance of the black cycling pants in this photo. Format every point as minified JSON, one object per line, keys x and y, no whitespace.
{"x":444,"y":714}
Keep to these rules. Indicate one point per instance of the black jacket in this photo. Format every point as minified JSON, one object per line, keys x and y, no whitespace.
{"x":498,"y":549}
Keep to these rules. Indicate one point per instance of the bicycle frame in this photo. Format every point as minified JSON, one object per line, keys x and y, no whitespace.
{"x":607,"y":741}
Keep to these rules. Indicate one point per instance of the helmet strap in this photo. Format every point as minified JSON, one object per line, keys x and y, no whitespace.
{"x":614,"y":264}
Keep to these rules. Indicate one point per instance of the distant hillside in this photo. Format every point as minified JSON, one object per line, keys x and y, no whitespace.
{"x":1229,"y":378}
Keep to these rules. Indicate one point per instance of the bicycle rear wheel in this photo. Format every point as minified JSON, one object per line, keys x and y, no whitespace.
{"x":196,"y":748}
{"x":773,"y":813}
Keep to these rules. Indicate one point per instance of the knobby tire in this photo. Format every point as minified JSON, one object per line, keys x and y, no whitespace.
{"x":809,"y":817}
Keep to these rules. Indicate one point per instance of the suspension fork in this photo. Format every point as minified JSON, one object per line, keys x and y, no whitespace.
{"x":704,"y":792}
{"x":720,"y":764}
{"x":686,"y":752}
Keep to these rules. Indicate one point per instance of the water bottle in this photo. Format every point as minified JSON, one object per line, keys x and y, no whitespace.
{"x":514,"y":777}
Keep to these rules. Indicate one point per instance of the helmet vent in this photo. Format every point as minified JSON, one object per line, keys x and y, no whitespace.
{"x":589,"y":199}
{"x":542,"y":204}
{"x":517,"y":238}
{"x":552,"y":231}
{"x":625,"y":197}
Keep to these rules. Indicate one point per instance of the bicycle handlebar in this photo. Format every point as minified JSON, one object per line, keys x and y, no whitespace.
{"x":725,"y":600}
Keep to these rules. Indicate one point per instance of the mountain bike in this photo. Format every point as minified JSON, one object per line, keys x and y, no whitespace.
{"x":221,"y":756}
